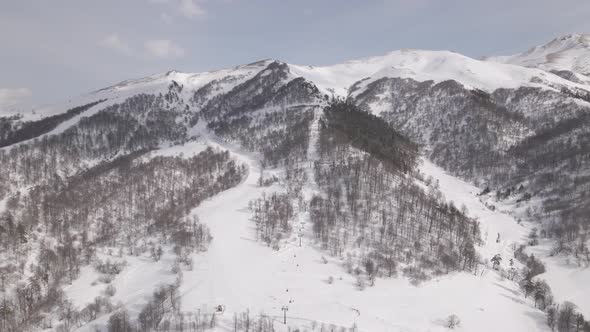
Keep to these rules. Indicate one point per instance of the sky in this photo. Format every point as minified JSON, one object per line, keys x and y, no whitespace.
{"x":52,"y":50}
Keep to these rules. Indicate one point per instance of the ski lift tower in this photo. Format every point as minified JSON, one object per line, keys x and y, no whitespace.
{"x":285,"y":309}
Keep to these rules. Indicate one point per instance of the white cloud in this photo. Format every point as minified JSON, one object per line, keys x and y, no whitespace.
{"x":160,"y":48}
{"x":190,"y":9}
{"x":114,"y":42}
{"x":163,"y":48}
{"x":187,"y":8}
{"x":11,"y":97}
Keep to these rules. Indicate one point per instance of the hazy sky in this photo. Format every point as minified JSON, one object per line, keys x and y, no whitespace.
{"x":51,"y":50}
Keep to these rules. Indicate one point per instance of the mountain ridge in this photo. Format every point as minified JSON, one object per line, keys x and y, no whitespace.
{"x":267,"y":185}
{"x":487,"y":74}
{"x":569,"y":52}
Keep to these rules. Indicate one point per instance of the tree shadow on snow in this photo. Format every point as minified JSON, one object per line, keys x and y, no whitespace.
{"x":515,"y":299}
{"x":511,"y":291}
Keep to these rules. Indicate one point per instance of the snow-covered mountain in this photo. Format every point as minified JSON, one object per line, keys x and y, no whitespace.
{"x":214,"y":200}
{"x":569,"y":53}
{"x":419,"y":65}
{"x":422,"y":65}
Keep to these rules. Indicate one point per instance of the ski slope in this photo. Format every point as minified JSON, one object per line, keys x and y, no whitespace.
{"x":492,"y":223}
{"x":567,"y":278}
{"x":242,"y":274}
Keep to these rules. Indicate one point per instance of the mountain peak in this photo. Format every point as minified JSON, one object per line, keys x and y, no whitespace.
{"x":582,"y":38}
{"x":569,"y":52}
{"x":565,"y":42}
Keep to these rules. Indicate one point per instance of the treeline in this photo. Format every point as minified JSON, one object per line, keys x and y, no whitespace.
{"x":577,"y":93}
{"x":268,"y":113}
{"x":157,"y":316}
{"x":153,"y":196}
{"x":141,"y":196}
{"x":562,"y":317}
{"x":249,"y":96}
{"x":281,"y":136}
{"x":272,"y":215}
{"x":22,"y":131}
{"x":528,"y":138}
{"x":348,"y":124}
{"x":140,"y":122}
{"x":120,"y":203}
{"x":565,"y":146}
{"x":40,"y":237}
{"x":367,"y":202}
{"x":565,"y":318}
{"x":462,"y":129}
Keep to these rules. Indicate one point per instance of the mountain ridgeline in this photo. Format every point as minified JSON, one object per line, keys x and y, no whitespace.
{"x":14,"y":131}
{"x":83,"y":182}
{"x":100,"y":184}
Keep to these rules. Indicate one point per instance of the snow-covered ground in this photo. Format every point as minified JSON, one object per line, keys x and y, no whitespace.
{"x":225,"y":80}
{"x":492,"y":223}
{"x":568,"y":280}
{"x":567,"y":277}
{"x":134,"y":285}
{"x":423,"y":65}
{"x":570,"y":52}
{"x":242,"y":274}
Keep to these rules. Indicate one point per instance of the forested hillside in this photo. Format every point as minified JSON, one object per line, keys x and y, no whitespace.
{"x":167,"y":202}
{"x":370,"y":200}
{"x":526,"y":142}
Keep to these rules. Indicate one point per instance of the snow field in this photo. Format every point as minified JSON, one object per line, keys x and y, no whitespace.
{"x":242,"y":274}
